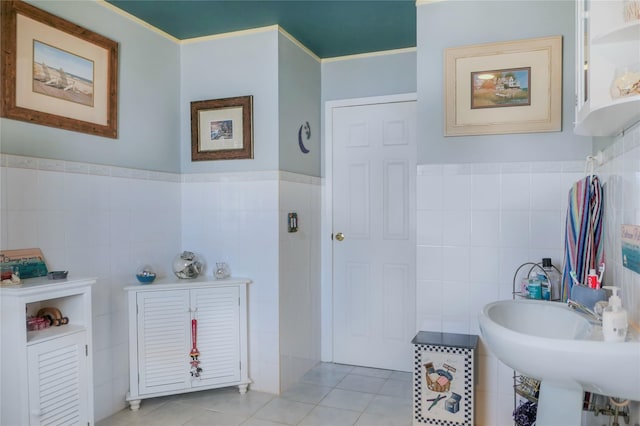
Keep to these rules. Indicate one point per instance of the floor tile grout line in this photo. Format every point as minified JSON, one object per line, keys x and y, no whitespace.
{"x":321,"y":370}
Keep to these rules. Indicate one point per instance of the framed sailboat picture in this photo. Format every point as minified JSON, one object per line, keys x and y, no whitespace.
{"x":56,"y":73}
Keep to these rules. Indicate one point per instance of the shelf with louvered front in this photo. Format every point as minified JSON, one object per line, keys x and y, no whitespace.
{"x":162,"y":335}
{"x":48,"y":363}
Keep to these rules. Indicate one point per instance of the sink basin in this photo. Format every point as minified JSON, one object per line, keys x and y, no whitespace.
{"x":564,"y":350}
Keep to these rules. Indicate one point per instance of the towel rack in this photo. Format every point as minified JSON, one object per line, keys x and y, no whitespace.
{"x":591,"y":159}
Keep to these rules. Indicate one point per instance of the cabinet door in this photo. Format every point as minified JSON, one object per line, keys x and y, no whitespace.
{"x":58,"y":385}
{"x":164,"y":326}
{"x":218,"y":340}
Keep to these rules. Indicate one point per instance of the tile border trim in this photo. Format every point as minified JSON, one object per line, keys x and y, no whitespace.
{"x":64,"y":166}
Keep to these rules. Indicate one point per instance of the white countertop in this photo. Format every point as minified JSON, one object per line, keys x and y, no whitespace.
{"x":171,"y":282}
{"x":43,"y":283}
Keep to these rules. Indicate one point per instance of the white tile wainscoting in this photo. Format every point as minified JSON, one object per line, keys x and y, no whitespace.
{"x":475,"y":224}
{"x":106,"y":221}
{"x":96,"y":221}
{"x":241,"y":219}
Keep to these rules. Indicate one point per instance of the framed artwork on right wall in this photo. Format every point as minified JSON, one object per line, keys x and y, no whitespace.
{"x":504,"y":87}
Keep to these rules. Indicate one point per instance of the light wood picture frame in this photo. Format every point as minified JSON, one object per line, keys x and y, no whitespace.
{"x":504,"y":87}
{"x":56,"y":73}
{"x":222,"y":129}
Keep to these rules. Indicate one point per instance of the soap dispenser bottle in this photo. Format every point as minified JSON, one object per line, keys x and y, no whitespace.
{"x":614,"y":318}
{"x":554,"y":278}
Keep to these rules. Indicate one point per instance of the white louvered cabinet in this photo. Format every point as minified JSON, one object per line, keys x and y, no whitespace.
{"x":57,"y":381}
{"x":160,"y":338}
{"x":47,"y":376}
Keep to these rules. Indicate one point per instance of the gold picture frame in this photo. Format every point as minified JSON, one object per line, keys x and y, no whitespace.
{"x":222,"y":129}
{"x":56,"y":73}
{"x":521,"y":91}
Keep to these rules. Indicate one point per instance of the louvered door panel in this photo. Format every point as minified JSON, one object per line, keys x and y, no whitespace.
{"x":58,"y":381}
{"x":164,"y":340}
{"x":218,"y":341}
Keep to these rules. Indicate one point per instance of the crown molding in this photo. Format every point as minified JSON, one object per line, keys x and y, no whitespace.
{"x":137,"y":20}
{"x":297,"y":43}
{"x":230,"y":34}
{"x":370,"y":54}
{"x":424,"y":2}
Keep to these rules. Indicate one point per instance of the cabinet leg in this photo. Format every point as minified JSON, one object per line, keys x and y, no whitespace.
{"x":243,"y":388}
{"x":134,"y":404}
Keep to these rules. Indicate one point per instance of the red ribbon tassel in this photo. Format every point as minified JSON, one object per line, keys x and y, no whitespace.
{"x":195,"y":353}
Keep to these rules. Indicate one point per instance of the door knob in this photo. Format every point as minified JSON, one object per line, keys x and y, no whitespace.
{"x":339,"y":236}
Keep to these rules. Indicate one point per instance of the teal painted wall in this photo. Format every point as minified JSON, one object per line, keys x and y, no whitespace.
{"x":365,"y":76}
{"x":369,"y":75}
{"x":460,"y":23}
{"x":298,"y":103}
{"x":159,"y":78}
{"x":148,"y":100}
{"x":225,"y":67}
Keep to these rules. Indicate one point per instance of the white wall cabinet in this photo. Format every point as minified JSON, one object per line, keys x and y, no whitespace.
{"x":606,"y":45}
{"x":160,"y":336}
{"x":47,"y":375}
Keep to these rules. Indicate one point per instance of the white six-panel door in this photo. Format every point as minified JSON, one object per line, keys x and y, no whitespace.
{"x":374,"y":167}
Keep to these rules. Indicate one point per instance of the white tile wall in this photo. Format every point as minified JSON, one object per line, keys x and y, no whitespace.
{"x":233,"y":218}
{"x":94,"y":221}
{"x":240,"y":218}
{"x":107,"y":221}
{"x":476,"y":223}
{"x":299,"y":278}
{"x":620,"y":175}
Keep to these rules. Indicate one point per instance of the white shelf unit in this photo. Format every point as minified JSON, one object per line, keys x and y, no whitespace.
{"x":160,"y":340}
{"x":47,"y":375}
{"x":605,"y":43}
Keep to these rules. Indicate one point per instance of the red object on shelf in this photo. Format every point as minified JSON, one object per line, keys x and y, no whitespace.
{"x":37,"y":323}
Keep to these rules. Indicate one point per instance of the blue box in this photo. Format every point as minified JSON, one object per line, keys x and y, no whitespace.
{"x":452,"y":404}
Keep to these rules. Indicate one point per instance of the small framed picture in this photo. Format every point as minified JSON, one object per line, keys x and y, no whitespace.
{"x":222,"y":129}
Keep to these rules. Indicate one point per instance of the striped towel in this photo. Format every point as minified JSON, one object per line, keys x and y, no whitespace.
{"x":583,"y":248}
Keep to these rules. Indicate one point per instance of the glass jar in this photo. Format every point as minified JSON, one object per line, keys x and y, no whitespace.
{"x":187,"y":265}
{"x":222,"y":271}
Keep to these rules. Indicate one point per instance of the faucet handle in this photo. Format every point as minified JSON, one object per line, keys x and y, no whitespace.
{"x":599,"y":307}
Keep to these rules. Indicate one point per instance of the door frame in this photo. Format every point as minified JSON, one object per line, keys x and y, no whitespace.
{"x":326,"y":222}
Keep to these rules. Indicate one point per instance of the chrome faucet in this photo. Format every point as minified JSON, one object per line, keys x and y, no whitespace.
{"x":580,"y":307}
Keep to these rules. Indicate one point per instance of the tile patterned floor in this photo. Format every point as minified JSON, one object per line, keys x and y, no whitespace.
{"x":328,"y":395}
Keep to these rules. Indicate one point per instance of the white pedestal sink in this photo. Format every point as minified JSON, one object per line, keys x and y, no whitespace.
{"x":562,"y":348}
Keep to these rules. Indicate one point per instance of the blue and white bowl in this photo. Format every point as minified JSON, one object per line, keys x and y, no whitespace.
{"x":146,"y":278}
